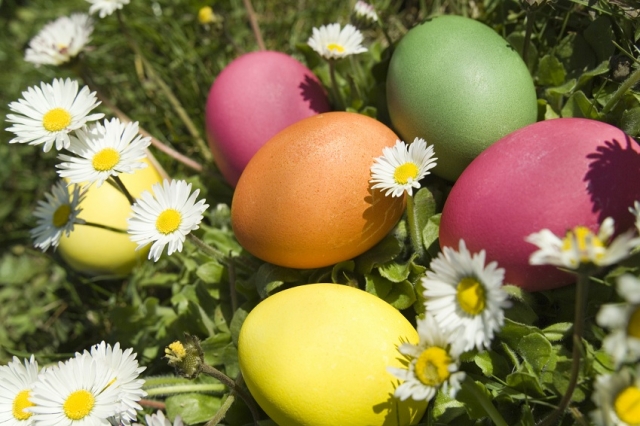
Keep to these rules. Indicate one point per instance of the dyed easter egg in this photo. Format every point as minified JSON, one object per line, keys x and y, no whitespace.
{"x":555,"y":174}
{"x":98,"y":251}
{"x":317,"y":355}
{"x":253,"y":98}
{"x":459,"y":85}
{"x":305,"y":201}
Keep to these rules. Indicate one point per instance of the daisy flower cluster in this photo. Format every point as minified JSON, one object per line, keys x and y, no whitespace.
{"x":583,"y":251}
{"x":96,"y":387}
{"x":59,"y":115}
{"x":464,"y":303}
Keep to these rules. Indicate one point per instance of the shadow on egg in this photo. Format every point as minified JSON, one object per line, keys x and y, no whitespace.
{"x":390,"y":212}
{"x":313,"y":93}
{"x":608,"y":181}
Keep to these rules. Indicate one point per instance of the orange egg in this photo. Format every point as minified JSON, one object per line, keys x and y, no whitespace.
{"x":305,"y":201}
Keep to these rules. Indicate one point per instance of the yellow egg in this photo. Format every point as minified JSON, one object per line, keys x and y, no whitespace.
{"x":317,"y":355}
{"x":97,"y":251}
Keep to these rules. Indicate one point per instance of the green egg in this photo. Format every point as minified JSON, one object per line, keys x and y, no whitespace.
{"x":459,"y":85}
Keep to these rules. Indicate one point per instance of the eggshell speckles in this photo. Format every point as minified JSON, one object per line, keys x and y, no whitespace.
{"x":304,"y":200}
{"x":253,"y":98}
{"x":459,"y":85}
{"x":317,"y":355}
{"x":555,"y":174}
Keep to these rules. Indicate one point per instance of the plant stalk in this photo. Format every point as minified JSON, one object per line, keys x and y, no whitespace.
{"x":107,"y":227}
{"x":253,"y":20}
{"x":233,"y":386}
{"x":624,"y":87}
{"x":414,"y":232}
{"x":334,"y":85}
{"x":123,"y":189}
{"x":222,"y":411}
{"x":188,"y":388}
{"x":495,"y":416}
{"x":582,"y":288}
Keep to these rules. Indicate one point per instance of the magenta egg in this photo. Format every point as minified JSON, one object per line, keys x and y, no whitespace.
{"x":554,"y":174}
{"x":252,"y":99}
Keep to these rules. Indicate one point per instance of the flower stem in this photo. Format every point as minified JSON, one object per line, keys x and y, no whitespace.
{"x":414,"y":232}
{"x":234,"y":386}
{"x":578,"y":328}
{"x":222,"y":411}
{"x":470,"y":385}
{"x":334,"y":85}
{"x":215,"y":253}
{"x":527,"y":35}
{"x":101,"y":226}
{"x":628,"y":83}
{"x":123,"y":189}
{"x":253,"y":20}
{"x":188,"y":388}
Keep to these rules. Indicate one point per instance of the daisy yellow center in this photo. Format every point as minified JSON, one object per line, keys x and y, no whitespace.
{"x":168,"y":221}
{"x":627,"y":405}
{"x":406,"y":173}
{"x":105,"y":160}
{"x":61,"y":215}
{"x":56,"y":119}
{"x":178,"y":350}
{"x":432,"y":367}
{"x":582,"y":240}
{"x":334,"y":47}
{"x":471,"y":296}
{"x":633,"y":329}
{"x":21,"y":402}
{"x":79,"y":404}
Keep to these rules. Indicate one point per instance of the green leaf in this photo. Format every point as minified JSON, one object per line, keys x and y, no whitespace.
{"x":556,"y":332}
{"x":210,"y":272}
{"x":401,"y":296}
{"x":269,"y":277}
{"x":525,"y":382}
{"x":551,"y":72}
{"x":213,"y":346}
{"x":578,"y":105}
{"x":238,"y":318}
{"x":599,"y":35}
{"x":537,"y":351}
{"x":472,"y":404}
{"x":425,"y":205}
{"x":342,"y":272}
{"x":192,"y":408}
{"x":516,"y":39}
{"x":446,"y":409}
{"x":377,"y":285}
{"x":630,"y":121}
{"x":394,"y":271}
{"x":431,"y":230}
{"x":387,"y":249}
{"x":492,"y":364}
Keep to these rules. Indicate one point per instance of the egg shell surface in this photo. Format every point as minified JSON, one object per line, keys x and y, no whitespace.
{"x":317,"y":355}
{"x":98,"y":251}
{"x":253,"y":98}
{"x":555,"y":174}
{"x":305,"y":201}
{"x":459,"y":85}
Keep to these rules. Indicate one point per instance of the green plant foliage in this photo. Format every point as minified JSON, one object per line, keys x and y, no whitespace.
{"x":582,"y":55}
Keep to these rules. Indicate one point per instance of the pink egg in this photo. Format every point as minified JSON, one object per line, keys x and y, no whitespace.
{"x":253,"y":98}
{"x":554,"y":174}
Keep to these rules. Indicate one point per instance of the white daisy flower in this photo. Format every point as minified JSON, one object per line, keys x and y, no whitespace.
{"x":616,"y":397}
{"x":433,"y":364}
{"x":401,"y":167}
{"x":623,"y":342}
{"x":365,"y":11}
{"x":331,"y":42}
{"x":159,"y":419}
{"x":167,"y":218}
{"x":106,"y":7}
{"x":123,"y":372}
{"x":60,"y":41}
{"x":635,"y":210}
{"x":77,"y":392}
{"x":466,"y":297}
{"x":581,"y":247}
{"x":103,"y":151}
{"x":47,"y":114}
{"x":16,"y":384}
{"x":56,"y":216}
